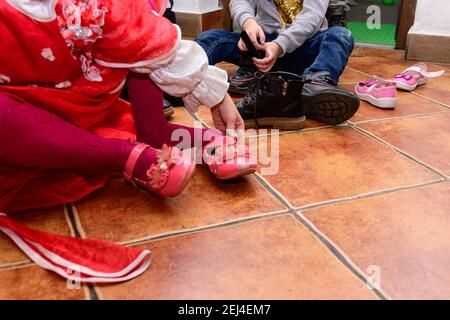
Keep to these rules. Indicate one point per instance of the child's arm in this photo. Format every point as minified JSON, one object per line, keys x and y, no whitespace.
{"x":137,"y":39}
{"x":242,"y":10}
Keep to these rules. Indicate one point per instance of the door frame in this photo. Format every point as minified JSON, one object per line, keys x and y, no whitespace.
{"x":406,"y":16}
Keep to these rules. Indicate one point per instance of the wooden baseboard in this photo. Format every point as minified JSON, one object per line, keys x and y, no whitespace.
{"x":429,"y":48}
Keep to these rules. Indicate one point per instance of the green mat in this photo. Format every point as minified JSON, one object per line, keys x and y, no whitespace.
{"x":384,"y":36}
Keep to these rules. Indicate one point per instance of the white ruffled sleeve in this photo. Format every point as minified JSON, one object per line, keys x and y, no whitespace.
{"x":186,"y":74}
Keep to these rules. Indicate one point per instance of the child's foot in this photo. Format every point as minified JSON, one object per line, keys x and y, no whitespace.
{"x":168,"y":109}
{"x":167,"y":176}
{"x":325,"y":102}
{"x":336,"y":14}
{"x":414,"y":76}
{"x":274,"y":101}
{"x":241,"y":80}
{"x":227,"y":159}
{"x":380,"y":93}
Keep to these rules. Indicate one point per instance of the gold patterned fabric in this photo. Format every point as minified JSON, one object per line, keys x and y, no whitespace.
{"x":289,"y":9}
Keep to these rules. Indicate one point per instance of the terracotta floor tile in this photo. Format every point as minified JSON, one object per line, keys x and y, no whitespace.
{"x":51,"y":220}
{"x":34,"y":283}
{"x":445,"y":66}
{"x":426,"y":138}
{"x":351,"y":76}
{"x":123,"y":213}
{"x":204,"y":114}
{"x":228,"y":67}
{"x":408,"y":104}
{"x":327,"y":164}
{"x":405,"y":234}
{"x":183,"y":117}
{"x":382,"y":66}
{"x":437,"y":89}
{"x":267,"y":259}
{"x":394,"y":55}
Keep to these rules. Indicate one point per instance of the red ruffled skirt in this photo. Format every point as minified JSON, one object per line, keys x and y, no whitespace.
{"x":26,"y":188}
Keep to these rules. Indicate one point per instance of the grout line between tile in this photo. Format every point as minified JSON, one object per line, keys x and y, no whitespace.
{"x":340,"y":255}
{"x":368,"y":195}
{"x":444,"y":66}
{"x":182,"y":232}
{"x":399,"y":151}
{"x":16,"y":265}
{"x":362,"y":72}
{"x":282,"y":133}
{"x":266,"y":185}
{"x":431,"y":99}
{"x":75,"y":224}
{"x":333,"y":249}
{"x":398,"y":117}
{"x":196,"y":117}
{"x":27,"y":262}
{"x":69,"y":217}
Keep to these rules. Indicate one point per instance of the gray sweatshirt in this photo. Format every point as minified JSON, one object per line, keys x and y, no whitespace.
{"x":307,"y":23}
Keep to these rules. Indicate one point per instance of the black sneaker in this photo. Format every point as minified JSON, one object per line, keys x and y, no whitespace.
{"x":274,"y":100}
{"x":168,"y":109}
{"x":336,"y":14}
{"x":240,"y":82}
{"x":325,"y":102}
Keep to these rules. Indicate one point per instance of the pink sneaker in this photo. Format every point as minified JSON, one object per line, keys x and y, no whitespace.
{"x":414,"y":76}
{"x":380,"y":93}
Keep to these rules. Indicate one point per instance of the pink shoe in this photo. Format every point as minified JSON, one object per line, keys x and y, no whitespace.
{"x":414,"y":76}
{"x":226,"y":159}
{"x":168,"y":177}
{"x":380,"y":93}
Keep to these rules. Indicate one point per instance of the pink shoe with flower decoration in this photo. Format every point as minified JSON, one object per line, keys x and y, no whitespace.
{"x":168,"y":177}
{"x":228,"y":159}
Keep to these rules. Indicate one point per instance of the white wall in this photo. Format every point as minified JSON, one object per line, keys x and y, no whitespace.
{"x":196,"y":6}
{"x":432,"y":17}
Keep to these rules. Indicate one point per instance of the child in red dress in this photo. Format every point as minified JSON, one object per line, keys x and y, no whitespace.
{"x":64,"y":130}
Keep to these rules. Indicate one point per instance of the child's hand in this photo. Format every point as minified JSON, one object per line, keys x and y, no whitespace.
{"x":273,"y":50}
{"x":226,"y":117}
{"x":254,"y":32}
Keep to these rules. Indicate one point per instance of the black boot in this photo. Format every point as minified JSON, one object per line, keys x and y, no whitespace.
{"x":274,"y":100}
{"x":336,"y":13}
{"x":168,"y":109}
{"x":325,"y":102}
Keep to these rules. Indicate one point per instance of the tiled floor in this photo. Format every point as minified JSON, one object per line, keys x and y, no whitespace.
{"x":358,"y":211}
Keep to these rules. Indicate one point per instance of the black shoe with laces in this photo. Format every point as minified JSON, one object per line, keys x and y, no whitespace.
{"x":336,"y":14}
{"x":274,"y":100}
{"x":325,"y":102}
{"x":168,"y":109}
{"x":241,"y":80}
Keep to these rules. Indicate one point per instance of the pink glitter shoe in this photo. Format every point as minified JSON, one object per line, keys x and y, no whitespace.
{"x":227,"y":159}
{"x":378,"y":92}
{"x":168,"y":177}
{"x":414,"y":76}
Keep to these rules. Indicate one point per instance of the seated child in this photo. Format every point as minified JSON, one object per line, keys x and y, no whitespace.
{"x":296,"y":38}
{"x":64,"y":129}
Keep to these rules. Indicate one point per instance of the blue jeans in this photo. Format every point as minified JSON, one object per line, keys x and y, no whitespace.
{"x":328,"y":50}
